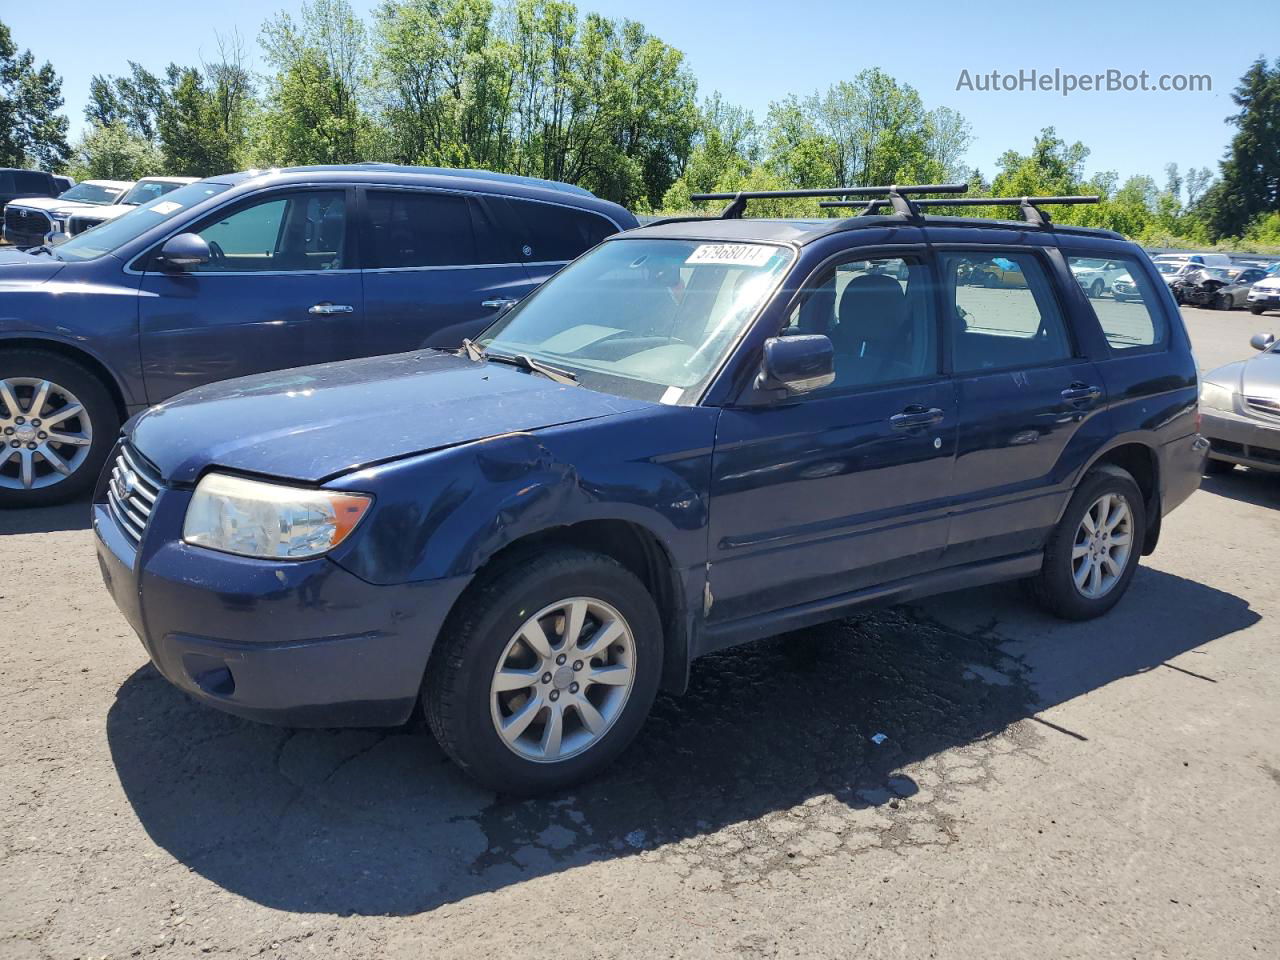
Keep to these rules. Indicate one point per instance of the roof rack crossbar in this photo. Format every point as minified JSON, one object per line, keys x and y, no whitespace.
{"x":895,"y":195}
{"x":1030,"y":206}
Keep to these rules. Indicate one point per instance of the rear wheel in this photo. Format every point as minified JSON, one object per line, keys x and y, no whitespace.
{"x":1223,"y":301}
{"x":1092,"y":554}
{"x":546,"y":672}
{"x":1095,"y":291}
{"x":58,"y":422}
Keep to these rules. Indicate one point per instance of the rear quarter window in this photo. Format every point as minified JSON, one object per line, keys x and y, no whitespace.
{"x":1124,"y":301}
{"x":556,"y":233}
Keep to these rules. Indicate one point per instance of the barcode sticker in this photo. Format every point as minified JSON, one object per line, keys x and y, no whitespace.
{"x":732,"y":254}
{"x":165,"y":207}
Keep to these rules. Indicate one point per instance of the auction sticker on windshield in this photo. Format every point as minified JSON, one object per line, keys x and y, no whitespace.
{"x":732,"y":254}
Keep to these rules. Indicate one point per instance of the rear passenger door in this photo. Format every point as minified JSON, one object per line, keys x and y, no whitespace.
{"x":436,"y":268}
{"x":1031,"y":406}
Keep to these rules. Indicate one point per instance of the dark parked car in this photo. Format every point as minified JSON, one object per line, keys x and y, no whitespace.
{"x":700,"y":433}
{"x":16,"y":183}
{"x":257,"y":271}
{"x":1240,"y":410}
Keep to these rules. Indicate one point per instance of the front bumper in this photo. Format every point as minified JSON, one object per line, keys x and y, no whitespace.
{"x":302,"y":643}
{"x":1242,"y":440}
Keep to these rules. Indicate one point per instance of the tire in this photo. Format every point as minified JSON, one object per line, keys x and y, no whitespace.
{"x":1218,"y":468}
{"x":1055,"y":587}
{"x":485,"y":632}
{"x":1255,"y":310}
{"x":1223,"y":301}
{"x":1095,"y":291}
{"x":27,"y":477}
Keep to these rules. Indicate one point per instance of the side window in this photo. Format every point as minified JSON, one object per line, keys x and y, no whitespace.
{"x":26,"y":181}
{"x":6,"y":181}
{"x":1004,"y":312}
{"x":880,"y":318}
{"x":286,"y":232}
{"x":555,"y":233}
{"x":1126,"y":307}
{"x":419,"y":229}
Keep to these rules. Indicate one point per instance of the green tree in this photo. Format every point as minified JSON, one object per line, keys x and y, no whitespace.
{"x":114,"y":152}
{"x":315,"y":106}
{"x":134,"y":100}
{"x":1249,"y":186}
{"x":193,"y":141}
{"x":32,"y":129}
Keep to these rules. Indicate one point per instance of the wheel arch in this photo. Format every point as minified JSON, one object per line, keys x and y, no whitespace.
{"x":639,"y":550}
{"x":1141,"y":462}
{"x":77,"y":354}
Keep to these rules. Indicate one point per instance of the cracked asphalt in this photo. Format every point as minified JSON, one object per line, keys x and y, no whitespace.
{"x":964,"y":777}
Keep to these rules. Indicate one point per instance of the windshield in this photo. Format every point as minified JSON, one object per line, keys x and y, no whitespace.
{"x":91,"y":193}
{"x":1168,"y":268}
{"x":112,"y":234}
{"x":145,"y":190}
{"x":651,"y":319}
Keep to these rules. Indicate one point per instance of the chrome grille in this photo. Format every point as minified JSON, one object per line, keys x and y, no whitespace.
{"x":22,"y":220}
{"x":1264,"y":407}
{"x":131,"y":493}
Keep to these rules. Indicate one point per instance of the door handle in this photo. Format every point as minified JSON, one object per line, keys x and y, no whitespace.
{"x":498,"y":302}
{"x":1081,"y":393}
{"x":327,"y":309}
{"x":916,"y":416}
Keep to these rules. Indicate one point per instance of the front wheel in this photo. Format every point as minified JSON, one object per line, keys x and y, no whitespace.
{"x":546,"y":672}
{"x":1093,"y":552}
{"x":1255,"y":310}
{"x":57,"y":426}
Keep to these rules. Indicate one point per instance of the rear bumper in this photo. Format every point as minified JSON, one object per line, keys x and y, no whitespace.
{"x":302,"y":643}
{"x":1181,"y":467}
{"x":1242,"y":440}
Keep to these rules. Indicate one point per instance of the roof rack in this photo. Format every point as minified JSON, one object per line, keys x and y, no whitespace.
{"x":895,"y":195}
{"x":1030,"y":206}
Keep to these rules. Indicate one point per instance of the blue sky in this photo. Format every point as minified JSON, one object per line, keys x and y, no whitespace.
{"x":756,"y":52}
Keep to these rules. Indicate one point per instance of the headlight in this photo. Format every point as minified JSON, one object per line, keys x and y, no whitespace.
{"x":271,"y":520}
{"x":1216,"y":397}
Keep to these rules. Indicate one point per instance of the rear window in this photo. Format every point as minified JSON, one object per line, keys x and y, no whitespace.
{"x":1126,"y":306}
{"x":419,"y":229}
{"x":555,"y":233}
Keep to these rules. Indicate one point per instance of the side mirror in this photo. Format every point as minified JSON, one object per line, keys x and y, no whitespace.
{"x":185,"y":250}
{"x":56,"y":237}
{"x":1262,"y":341}
{"x":797,"y":364}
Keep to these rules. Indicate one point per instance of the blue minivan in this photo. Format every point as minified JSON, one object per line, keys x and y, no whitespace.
{"x":251,"y":272}
{"x":702,"y":432}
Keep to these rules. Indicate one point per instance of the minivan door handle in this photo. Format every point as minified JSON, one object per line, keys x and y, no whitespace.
{"x":498,"y":302}
{"x":1081,"y":393}
{"x":327,"y":309}
{"x":916,"y":416}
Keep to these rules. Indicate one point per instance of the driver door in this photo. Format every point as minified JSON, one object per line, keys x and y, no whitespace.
{"x":280,"y":290}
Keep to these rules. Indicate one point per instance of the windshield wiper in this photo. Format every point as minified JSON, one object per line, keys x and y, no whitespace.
{"x":526,"y":362}
{"x":472,"y":349}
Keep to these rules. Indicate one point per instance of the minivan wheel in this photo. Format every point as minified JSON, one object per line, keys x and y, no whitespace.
{"x":57,"y":426}
{"x":545,"y":671}
{"x":1093,"y":552}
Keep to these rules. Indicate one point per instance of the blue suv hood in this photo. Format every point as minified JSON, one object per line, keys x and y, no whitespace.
{"x":16,"y":265}
{"x":313,"y":423}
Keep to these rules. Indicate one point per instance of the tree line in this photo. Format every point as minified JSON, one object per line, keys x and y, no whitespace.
{"x":536,"y":87}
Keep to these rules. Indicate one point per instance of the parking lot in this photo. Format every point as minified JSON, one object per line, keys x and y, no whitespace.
{"x":1102,"y":789}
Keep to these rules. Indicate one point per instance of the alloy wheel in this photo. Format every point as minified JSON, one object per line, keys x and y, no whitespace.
{"x":1102,"y":546}
{"x":45,"y":431}
{"x":563,"y":679}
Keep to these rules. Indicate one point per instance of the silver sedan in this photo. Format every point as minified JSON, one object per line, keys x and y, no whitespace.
{"x":1240,"y":410}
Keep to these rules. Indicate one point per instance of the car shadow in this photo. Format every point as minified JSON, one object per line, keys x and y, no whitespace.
{"x":75,"y":515}
{"x":1258,"y":487}
{"x":856,"y":734}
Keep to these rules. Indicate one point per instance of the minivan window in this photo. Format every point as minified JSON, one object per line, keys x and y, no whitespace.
{"x":416,"y":228}
{"x":1128,"y":316}
{"x":1005,"y":313}
{"x":555,"y":233}
{"x":293,"y":232}
{"x":115,"y":233}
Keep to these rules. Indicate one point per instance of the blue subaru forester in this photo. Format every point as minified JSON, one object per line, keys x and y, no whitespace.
{"x":255,"y":271}
{"x":702,"y":432}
